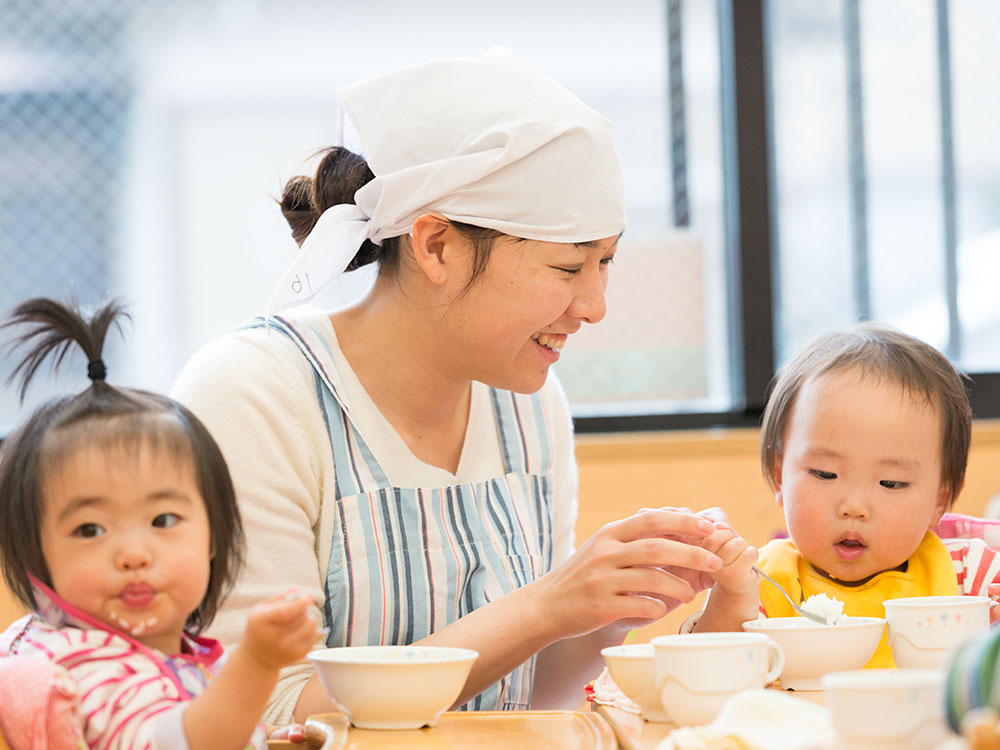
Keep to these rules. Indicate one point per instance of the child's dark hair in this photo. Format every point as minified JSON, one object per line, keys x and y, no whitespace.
{"x":104,"y":417}
{"x":881,"y":352}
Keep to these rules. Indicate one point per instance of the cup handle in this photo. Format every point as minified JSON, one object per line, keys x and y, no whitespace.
{"x":777,"y":661}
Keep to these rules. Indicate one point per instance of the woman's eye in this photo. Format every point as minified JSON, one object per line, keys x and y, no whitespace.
{"x":822,"y":474}
{"x":891,"y":484}
{"x":570,"y":271}
{"x":166,"y":520}
{"x":607,"y":261}
{"x":88,"y":530}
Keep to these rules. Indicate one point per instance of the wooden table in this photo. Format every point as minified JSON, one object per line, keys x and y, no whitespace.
{"x":485,"y":730}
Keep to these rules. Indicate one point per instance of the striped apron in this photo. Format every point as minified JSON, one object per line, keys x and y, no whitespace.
{"x":405,"y":562}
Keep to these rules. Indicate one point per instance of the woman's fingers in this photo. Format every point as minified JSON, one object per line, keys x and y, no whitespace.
{"x":661,"y":552}
{"x":660,"y":522}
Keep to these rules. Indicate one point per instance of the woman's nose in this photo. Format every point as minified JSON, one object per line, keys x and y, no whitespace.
{"x":589,"y":303}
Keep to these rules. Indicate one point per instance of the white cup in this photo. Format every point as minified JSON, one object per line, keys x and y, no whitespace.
{"x":924,"y":630}
{"x":631,"y":667}
{"x":697,"y":672}
{"x":876,"y":709}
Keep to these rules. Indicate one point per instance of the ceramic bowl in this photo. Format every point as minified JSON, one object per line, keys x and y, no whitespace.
{"x":924,"y":630}
{"x":812,"y":650}
{"x":631,"y":667}
{"x":887,"y":709}
{"x":393,"y":687}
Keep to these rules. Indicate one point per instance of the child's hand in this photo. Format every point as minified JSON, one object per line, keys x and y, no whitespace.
{"x":281,"y":630}
{"x":993,"y":589}
{"x":293,"y":733}
{"x":736,"y":576}
{"x":310,"y":734}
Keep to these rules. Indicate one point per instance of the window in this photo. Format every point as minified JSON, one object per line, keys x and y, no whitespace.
{"x":790,"y":165}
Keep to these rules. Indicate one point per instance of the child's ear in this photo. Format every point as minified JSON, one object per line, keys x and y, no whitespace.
{"x":944,"y":497}
{"x":776,"y":482}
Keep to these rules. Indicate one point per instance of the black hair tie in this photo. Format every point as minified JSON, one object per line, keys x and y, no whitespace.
{"x":96,"y":369}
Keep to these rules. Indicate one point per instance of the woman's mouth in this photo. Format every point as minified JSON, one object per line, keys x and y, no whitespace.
{"x":554,"y":341}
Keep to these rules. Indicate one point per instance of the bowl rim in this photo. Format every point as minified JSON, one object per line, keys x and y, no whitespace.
{"x":355,"y":655}
{"x":882,"y":679}
{"x":719,"y":638}
{"x":853,"y":623}
{"x":630,"y":651}
{"x":924,"y":601}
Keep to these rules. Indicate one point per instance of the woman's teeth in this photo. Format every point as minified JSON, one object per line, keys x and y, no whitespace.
{"x":550,"y":342}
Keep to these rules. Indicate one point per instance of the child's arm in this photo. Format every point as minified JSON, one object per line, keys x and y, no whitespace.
{"x":734,"y":596}
{"x":279,"y":632}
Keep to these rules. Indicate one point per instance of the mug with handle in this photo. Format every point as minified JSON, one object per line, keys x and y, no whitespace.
{"x":697,"y":672}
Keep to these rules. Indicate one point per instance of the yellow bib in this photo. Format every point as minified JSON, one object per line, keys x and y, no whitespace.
{"x":929,"y":572}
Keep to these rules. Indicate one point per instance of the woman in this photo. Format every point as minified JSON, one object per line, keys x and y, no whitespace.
{"x":408,"y":461}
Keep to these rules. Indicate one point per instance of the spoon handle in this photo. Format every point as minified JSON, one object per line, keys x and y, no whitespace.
{"x":802,"y":612}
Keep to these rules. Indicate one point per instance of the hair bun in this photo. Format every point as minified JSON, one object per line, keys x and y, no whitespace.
{"x":297,"y":207}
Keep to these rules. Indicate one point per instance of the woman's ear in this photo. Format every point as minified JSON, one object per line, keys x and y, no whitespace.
{"x":432,"y":237}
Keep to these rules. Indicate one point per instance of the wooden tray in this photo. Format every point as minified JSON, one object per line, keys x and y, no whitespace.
{"x":517,"y":730}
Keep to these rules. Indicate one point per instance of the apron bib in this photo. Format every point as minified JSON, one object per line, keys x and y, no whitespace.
{"x":405,"y":562}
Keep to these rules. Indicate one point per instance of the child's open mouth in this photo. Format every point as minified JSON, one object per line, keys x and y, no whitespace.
{"x":850,"y":548}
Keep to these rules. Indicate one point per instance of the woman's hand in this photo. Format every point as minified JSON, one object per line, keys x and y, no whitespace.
{"x":631,"y":572}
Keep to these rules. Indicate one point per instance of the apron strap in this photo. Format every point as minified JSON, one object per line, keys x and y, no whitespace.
{"x":349,"y":448}
{"x":523,"y":432}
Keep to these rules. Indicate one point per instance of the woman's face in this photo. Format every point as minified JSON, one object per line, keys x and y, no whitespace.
{"x":510,"y":325}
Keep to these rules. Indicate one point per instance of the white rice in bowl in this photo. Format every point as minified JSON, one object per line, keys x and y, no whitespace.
{"x":827,"y":607}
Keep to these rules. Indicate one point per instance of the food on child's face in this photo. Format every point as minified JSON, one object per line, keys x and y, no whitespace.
{"x":827,"y":607}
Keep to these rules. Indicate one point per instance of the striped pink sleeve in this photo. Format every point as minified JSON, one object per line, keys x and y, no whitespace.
{"x":976,"y":565}
{"x":123,"y":694}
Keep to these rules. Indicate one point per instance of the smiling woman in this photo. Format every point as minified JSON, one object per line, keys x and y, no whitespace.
{"x":408,"y":460}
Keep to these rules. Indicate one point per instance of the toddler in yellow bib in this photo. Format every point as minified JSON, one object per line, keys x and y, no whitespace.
{"x":865,"y":441}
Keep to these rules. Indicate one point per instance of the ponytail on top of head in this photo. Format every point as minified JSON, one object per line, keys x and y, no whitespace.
{"x":55,"y":328}
{"x":339,"y":175}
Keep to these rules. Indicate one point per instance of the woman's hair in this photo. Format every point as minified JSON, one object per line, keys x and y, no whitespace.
{"x":876,"y":351}
{"x":109,"y":419}
{"x":339,"y":175}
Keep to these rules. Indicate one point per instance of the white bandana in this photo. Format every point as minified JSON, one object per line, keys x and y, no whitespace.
{"x":485,"y":141}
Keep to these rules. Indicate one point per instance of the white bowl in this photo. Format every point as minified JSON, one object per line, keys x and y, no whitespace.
{"x":393,"y":687}
{"x":812,"y":650}
{"x":924,"y":630}
{"x":631,"y":667}
{"x":887,"y":709}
